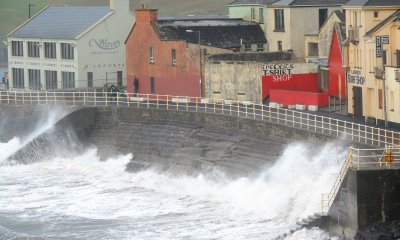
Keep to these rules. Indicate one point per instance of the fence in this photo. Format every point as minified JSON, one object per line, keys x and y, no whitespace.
{"x":360,"y":159}
{"x":368,"y":135}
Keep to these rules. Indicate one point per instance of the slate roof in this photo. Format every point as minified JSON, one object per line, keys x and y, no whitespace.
{"x":340,"y":15}
{"x":252,"y":2}
{"x":220,"y":33}
{"x":372,"y":3}
{"x":395,"y":16}
{"x":310,"y":2}
{"x":61,"y":22}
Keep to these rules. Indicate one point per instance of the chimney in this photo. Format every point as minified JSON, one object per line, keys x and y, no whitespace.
{"x":118,"y":5}
{"x":145,"y":15}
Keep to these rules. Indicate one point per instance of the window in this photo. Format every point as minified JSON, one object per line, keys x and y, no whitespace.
{"x":33,"y":49}
{"x":384,"y":58}
{"x":261,"y":15}
{"x":67,"y":51}
{"x":323,"y":79}
{"x":376,"y":14}
{"x":18,"y":77}
{"x":323,"y":15}
{"x":34,"y":79}
{"x":51,"y":79}
{"x":50,"y":50}
{"x":153,"y":85}
{"x":151,"y":55}
{"x":253,"y":14}
{"x":280,"y":46}
{"x":398,"y":57}
{"x":313,"y":49}
{"x":173,"y":53}
{"x":68,"y":79}
{"x":17,"y":48}
{"x":380,"y":98}
{"x":279,"y":20}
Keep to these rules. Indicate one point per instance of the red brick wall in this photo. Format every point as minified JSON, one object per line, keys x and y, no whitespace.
{"x":179,"y":80}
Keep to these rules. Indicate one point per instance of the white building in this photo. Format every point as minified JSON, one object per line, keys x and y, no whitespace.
{"x":66,"y":47}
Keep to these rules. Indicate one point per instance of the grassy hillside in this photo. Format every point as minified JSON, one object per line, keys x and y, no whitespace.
{"x":14,"y":12}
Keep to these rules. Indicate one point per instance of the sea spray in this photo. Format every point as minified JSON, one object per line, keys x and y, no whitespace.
{"x":84,"y":198}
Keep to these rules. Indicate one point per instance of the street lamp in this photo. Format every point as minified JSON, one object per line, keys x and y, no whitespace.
{"x":29,"y":9}
{"x":201,"y":85}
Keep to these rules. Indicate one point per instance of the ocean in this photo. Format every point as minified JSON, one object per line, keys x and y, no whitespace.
{"x":81,"y":197}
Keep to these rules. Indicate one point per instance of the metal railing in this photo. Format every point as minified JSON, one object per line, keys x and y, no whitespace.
{"x":360,"y":133}
{"x":362,"y":159}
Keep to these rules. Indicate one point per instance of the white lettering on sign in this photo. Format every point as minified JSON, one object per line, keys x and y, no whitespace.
{"x":355,"y":77}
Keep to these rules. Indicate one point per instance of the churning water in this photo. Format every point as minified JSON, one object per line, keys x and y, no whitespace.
{"x":82,"y":197}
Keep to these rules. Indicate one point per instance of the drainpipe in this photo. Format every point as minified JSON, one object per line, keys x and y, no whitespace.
{"x":384,"y":98}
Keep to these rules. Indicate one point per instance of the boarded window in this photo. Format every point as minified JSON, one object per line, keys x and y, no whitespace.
{"x":313,"y":50}
{"x":380,"y":98}
{"x":323,"y":79}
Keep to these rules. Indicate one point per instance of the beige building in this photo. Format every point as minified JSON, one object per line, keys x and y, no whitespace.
{"x":290,"y":20}
{"x":70,"y":47}
{"x":317,"y":45}
{"x":373,"y":59}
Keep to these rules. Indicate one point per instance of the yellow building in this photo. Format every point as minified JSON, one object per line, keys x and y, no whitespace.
{"x":289,"y":21}
{"x":372,"y":59}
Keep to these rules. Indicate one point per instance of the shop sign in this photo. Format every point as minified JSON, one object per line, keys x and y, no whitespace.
{"x":280,"y":72}
{"x":355,"y":77}
{"x":378,"y":46}
{"x":385,"y":39}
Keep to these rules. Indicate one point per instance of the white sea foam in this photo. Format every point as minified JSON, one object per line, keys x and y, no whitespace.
{"x":85,"y":198}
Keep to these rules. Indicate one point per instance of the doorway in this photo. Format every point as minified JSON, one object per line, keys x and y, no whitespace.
{"x":357,"y":102}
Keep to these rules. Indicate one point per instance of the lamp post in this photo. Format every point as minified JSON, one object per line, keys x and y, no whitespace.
{"x":200,"y":72}
{"x":29,"y":9}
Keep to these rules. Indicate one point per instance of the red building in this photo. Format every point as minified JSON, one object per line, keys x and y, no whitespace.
{"x":163,"y":55}
{"x":337,"y":78}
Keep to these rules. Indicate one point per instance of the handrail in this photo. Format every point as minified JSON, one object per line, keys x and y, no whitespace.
{"x":362,"y":159}
{"x":361,"y":133}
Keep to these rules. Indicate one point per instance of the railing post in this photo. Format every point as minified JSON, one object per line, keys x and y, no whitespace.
{"x":8,"y":97}
{"x":286,"y":111}
{"x":30,"y":97}
{"x":308,"y":121}
{"x":223,"y":106}
{"x":73,"y":99}
{"x":359,"y":133}
{"x":46,"y":98}
{"x":262,"y":112}
{"x":385,"y":136}
{"x":337,"y":127}
{"x":322,"y":124}
{"x":23,"y":98}
{"x":270,"y":113}
{"x":158,"y":102}
{"x":373,"y":137}
{"x":330,"y":126}
{"x":197,"y":104}
{"x":393,"y":138}
{"x":238,"y":109}
{"x":127,"y":99}
{"x":117,"y":99}
{"x":315,"y":123}
{"x":230,"y":108}
{"x":351,"y":157}
{"x":293,"y":118}
{"x":352,"y":131}
{"x":365,"y":133}
{"x":246,"y":109}
{"x":177,"y":103}
{"x":106,"y":98}
{"x":214,"y":102}
{"x":301,"y":120}
{"x":148,"y":101}
{"x":187,"y":103}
